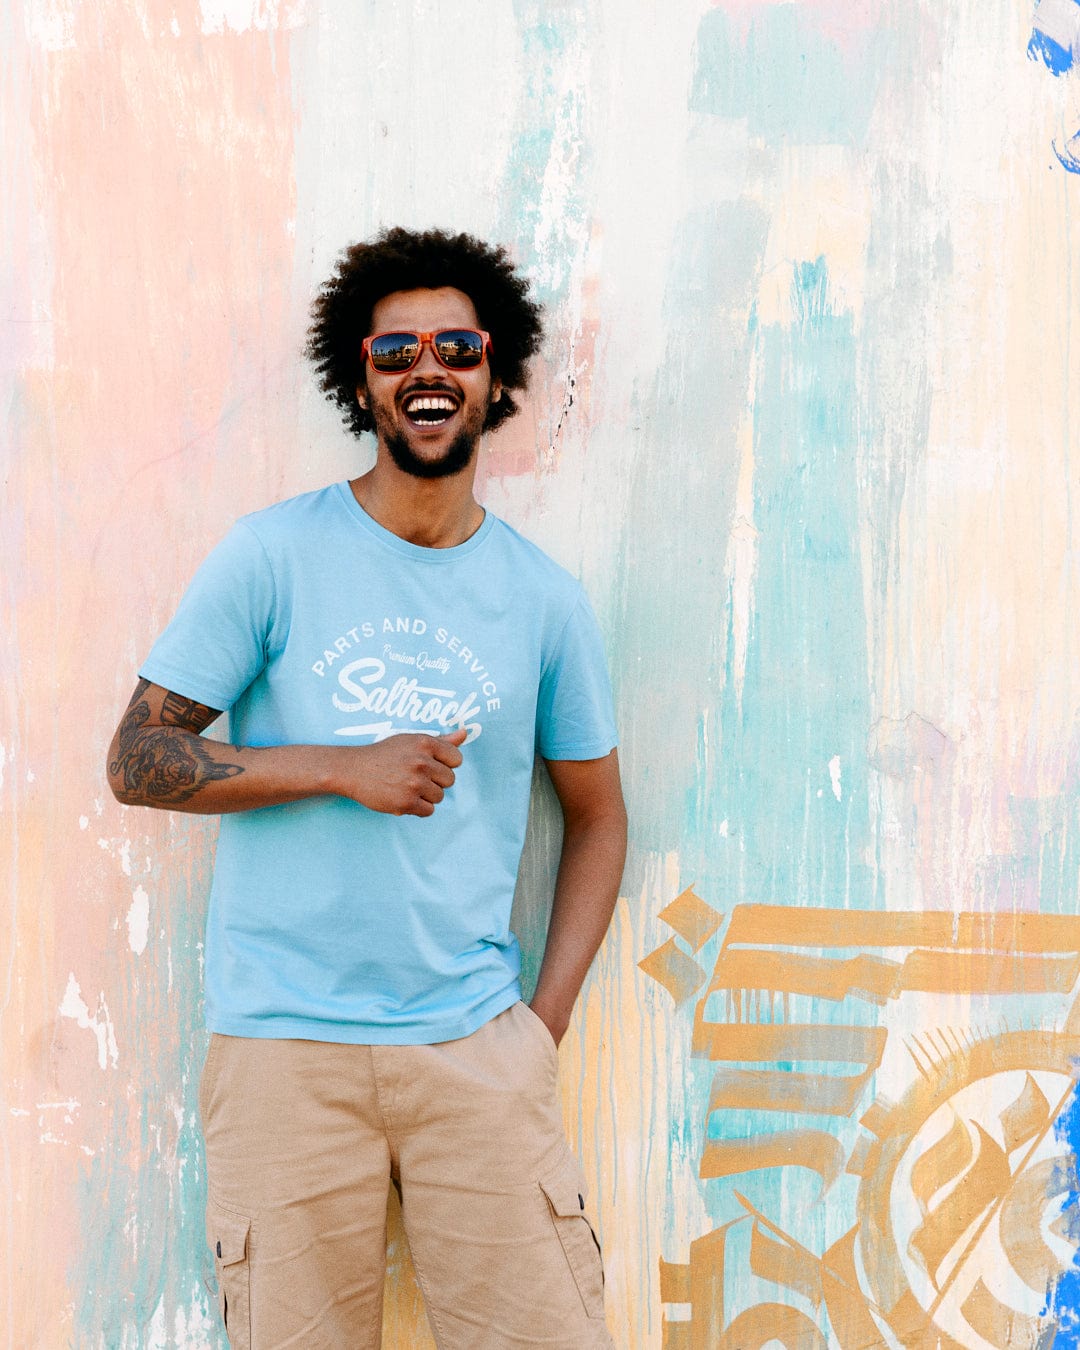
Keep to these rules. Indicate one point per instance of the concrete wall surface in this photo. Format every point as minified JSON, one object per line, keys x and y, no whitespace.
{"x":806,"y":425}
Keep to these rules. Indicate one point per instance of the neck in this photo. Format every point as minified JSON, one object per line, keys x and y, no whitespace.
{"x":429,"y":512}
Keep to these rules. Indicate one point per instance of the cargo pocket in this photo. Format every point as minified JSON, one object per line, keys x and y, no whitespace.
{"x":566,"y":1198}
{"x":228,"y":1232}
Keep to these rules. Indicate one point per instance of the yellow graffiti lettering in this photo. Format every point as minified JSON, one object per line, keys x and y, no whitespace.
{"x":670,"y":966}
{"x":693,"y":920}
{"x":817,"y":1150}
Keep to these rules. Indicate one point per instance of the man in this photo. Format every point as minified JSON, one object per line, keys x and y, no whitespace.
{"x":392,"y":657}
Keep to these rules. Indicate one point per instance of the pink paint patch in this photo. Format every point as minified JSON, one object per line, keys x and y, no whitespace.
{"x":514,"y":450}
{"x":559,"y":401}
{"x":843,"y":22}
{"x":149,"y":183}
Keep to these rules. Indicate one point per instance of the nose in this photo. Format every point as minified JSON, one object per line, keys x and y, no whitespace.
{"x":427,"y":363}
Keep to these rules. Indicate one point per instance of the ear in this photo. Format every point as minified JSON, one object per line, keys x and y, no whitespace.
{"x":496,"y":390}
{"x":361,"y":396}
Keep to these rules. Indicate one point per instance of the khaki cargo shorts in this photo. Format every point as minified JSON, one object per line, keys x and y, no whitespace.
{"x":303,"y":1139}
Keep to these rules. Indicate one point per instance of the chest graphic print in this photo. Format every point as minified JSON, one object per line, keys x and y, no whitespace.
{"x":402,"y":674}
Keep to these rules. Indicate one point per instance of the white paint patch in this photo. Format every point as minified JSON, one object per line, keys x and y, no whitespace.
{"x":834,"y":775}
{"x":740,"y":567}
{"x":561,"y":235}
{"x":724,"y":829}
{"x":193,"y":1328}
{"x":740,"y":563}
{"x":30,"y":777}
{"x":74,"y":1006}
{"x":50,"y":25}
{"x":84,"y":822}
{"x":138,"y":921}
{"x":242,"y":16}
{"x":156,"y":1337}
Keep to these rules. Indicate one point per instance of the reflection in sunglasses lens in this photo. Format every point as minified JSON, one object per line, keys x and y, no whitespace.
{"x":460,"y":348}
{"x":394,"y":351}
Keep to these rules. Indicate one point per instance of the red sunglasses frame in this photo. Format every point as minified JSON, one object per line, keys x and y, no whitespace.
{"x":429,"y":340}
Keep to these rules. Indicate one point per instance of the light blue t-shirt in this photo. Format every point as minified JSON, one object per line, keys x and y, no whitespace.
{"x":312,"y":624}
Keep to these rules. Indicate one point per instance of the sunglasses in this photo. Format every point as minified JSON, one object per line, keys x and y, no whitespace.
{"x":455,"y":348}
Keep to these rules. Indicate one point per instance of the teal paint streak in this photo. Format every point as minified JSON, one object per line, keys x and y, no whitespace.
{"x":787,"y":79}
{"x":143,"y":1242}
{"x":668,"y":604}
{"x":806,"y":696}
{"x":805,"y":700}
{"x":545,"y":106}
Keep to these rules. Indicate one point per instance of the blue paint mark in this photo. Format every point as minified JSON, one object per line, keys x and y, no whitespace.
{"x":788,"y":80}
{"x":1055,"y":41}
{"x":1046,"y":43}
{"x":1063,"y":1301}
{"x":1069,"y":153}
{"x":1043,"y":48}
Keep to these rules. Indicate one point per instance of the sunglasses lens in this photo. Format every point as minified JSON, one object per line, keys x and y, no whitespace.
{"x":459,"y":348}
{"x":394,"y":351}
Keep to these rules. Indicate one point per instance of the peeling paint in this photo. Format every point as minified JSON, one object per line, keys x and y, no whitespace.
{"x":138,"y":921}
{"x":73,"y":1005}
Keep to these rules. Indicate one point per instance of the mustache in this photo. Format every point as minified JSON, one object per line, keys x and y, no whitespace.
{"x":430,"y":387}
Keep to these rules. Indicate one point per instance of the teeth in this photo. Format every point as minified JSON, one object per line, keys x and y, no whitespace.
{"x":430,"y":403}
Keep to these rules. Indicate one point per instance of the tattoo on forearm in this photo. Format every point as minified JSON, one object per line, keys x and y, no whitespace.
{"x":161,"y":766}
{"x":157,"y":765}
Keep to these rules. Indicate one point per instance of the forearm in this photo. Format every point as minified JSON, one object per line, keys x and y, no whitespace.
{"x":586,"y":889}
{"x":159,"y":758}
{"x":177,"y":770}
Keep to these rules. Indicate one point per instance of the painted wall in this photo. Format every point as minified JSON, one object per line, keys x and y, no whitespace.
{"x":806,"y":425}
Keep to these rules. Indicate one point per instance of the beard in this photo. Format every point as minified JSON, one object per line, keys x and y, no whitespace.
{"x":459,"y":455}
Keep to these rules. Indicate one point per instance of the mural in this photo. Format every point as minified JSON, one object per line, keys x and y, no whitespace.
{"x":805,"y":424}
{"x":956,"y":1175}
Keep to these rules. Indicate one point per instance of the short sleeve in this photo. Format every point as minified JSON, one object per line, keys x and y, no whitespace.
{"x":574,"y":715}
{"x":217,"y":641}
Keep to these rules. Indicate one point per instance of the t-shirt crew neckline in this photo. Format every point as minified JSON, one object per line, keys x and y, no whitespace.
{"x":402,"y":546}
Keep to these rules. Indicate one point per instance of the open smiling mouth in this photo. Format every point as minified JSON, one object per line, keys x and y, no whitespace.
{"x":429,"y":410}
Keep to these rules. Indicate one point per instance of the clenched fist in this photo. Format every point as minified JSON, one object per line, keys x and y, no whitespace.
{"x":405,"y":775}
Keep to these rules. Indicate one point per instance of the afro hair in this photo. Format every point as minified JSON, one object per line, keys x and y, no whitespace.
{"x":405,"y":260}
